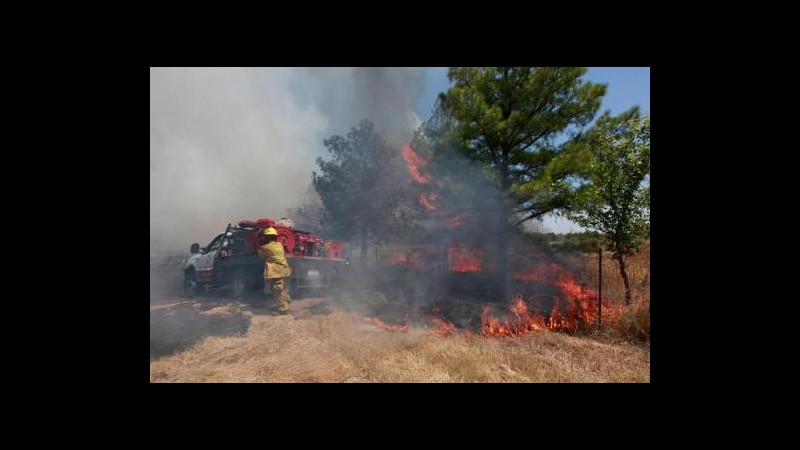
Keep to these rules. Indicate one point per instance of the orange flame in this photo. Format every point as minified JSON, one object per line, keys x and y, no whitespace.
{"x":576,"y":307}
{"x":455,"y":221}
{"x":406,"y":259}
{"x":582,"y":302}
{"x":441,"y":326}
{"x":522,"y":322}
{"x":383,"y":326}
{"x":463,"y":259}
{"x":414,"y":162}
{"x":427,"y":203}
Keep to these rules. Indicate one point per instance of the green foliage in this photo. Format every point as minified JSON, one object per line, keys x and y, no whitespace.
{"x":616,"y":200}
{"x":359,"y":186}
{"x":508,"y":118}
{"x":587,"y":242}
{"x":460,"y":185}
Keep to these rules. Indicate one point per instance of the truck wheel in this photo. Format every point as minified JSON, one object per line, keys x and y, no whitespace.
{"x":238,"y":284}
{"x":190,"y":284}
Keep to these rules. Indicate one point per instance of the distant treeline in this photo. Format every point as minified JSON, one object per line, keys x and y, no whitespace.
{"x":588,"y":241}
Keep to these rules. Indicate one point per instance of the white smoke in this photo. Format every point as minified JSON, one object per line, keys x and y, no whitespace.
{"x":240,"y":143}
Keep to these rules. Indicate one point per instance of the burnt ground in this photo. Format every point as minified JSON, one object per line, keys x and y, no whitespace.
{"x":177,"y":326}
{"x":166,"y":278}
{"x":177,"y":323}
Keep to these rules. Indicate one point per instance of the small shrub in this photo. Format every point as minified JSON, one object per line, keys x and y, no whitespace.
{"x":633,"y":323}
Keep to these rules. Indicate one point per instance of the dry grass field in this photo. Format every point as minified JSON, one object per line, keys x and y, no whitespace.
{"x":215,"y":339}
{"x":232,"y":342}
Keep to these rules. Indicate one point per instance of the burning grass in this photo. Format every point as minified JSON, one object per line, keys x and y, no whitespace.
{"x":575,"y":306}
{"x":440,"y":325}
{"x":336,"y":347}
{"x":401,"y":328}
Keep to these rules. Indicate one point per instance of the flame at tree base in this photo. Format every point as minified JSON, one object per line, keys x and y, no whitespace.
{"x":463,"y":259}
{"x":522,"y":321}
{"x":441,"y":326}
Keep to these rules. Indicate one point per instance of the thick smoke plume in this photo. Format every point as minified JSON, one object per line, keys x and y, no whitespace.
{"x":231,"y":144}
{"x":234,"y":143}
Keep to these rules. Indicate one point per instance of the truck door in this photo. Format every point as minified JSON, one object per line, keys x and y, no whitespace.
{"x":205,"y":263}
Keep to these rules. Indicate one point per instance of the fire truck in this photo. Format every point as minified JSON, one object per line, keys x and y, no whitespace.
{"x":231,"y":258}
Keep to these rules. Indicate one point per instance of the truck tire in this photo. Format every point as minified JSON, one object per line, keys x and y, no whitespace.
{"x":238,"y":284}
{"x":191,"y":287}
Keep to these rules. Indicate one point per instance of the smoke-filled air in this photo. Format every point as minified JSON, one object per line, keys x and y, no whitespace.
{"x":234,"y":143}
{"x":308,"y":225}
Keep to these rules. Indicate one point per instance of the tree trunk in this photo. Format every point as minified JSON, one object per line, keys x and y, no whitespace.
{"x":501,"y":261}
{"x":623,"y":270}
{"x":363,"y":243}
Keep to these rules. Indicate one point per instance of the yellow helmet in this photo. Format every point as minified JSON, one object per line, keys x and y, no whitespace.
{"x":270,"y":232}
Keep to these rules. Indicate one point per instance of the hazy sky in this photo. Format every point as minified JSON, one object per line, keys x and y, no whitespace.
{"x":234,"y":143}
{"x":240,"y":143}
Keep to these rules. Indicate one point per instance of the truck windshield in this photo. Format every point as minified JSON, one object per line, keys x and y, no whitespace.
{"x":214,"y":244}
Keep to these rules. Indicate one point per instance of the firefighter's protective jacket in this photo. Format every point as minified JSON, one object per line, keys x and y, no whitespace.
{"x":275,"y":264}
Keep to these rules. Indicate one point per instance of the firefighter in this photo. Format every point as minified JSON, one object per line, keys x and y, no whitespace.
{"x":276,"y":270}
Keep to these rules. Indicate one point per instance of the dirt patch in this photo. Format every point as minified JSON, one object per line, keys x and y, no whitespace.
{"x":176,"y":327}
{"x":166,"y":278}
